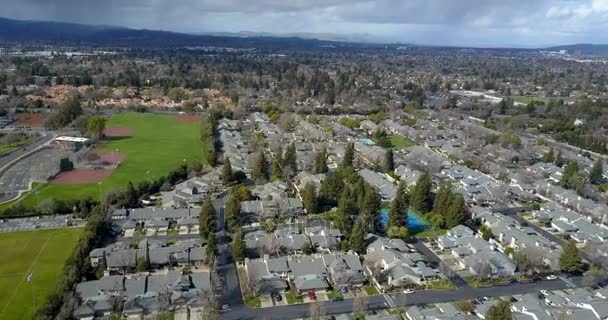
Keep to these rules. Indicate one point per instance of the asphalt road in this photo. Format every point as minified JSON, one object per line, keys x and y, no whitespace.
{"x":440,"y":264}
{"x":240,"y":311}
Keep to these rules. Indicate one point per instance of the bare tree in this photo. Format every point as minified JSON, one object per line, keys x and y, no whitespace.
{"x":359,"y":304}
{"x":317,"y":310}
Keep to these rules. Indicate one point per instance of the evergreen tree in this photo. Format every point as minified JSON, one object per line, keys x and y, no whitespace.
{"x":239,"y":249}
{"x":211,"y":247}
{"x":357,"y":237}
{"x":349,"y":155}
{"x":132,"y":197}
{"x":442,"y":200}
{"x":207,"y":219}
{"x":570,"y":261}
{"x":569,"y":172}
{"x":370,"y":208}
{"x":331,"y":189}
{"x":232,"y":211}
{"x":389,"y":161}
{"x":290,"y":167}
{"x":309,"y":198}
{"x":321,"y":162}
{"x":421,"y":198}
{"x":397,"y":215}
{"x":597,"y":171}
{"x":260,"y":168}
{"x":500,"y":311}
{"x":559,"y":160}
{"x":346,"y":208}
{"x":549,"y":157}
{"x":227,"y":171}
{"x":455,"y":214}
{"x":277,"y":163}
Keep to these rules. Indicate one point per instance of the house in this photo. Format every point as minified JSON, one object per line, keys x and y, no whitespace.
{"x":98,"y":307}
{"x":408,"y":175}
{"x":397,"y":262}
{"x":475,"y":254}
{"x":386,"y":189}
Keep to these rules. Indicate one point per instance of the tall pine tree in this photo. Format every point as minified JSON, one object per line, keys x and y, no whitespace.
{"x":397,"y":215}
{"x":226,"y":171}
{"x":389,"y":161}
{"x":421,"y":197}
{"x":207,"y":219}
{"x":321,"y":162}
{"x":309,"y":198}
{"x":239,"y":249}
{"x":290,"y":166}
{"x":260,"y":168}
{"x":597,"y":171}
{"x":277,"y":163}
{"x":349,"y":155}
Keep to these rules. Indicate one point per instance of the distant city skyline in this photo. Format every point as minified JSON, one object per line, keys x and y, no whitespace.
{"x":491,"y":23}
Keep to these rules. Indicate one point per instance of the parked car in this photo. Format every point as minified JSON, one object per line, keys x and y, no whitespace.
{"x":337,"y":299}
{"x":311,"y":295}
{"x":278,"y":297}
{"x":344,"y":289}
{"x":225,"y":307}
{"x":408,"y":291}
{"x":544,"y":292}
{"x":551,"y":277}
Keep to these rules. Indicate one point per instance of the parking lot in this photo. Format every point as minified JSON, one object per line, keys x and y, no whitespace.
{"x":34,"y":223}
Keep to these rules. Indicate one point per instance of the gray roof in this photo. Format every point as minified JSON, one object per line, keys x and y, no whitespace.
{"x":310,"y":282}
{"x":93,"y":288}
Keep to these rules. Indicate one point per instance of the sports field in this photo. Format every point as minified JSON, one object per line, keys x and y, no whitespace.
{"x":157,"y":144}
{"x":41,"y":253}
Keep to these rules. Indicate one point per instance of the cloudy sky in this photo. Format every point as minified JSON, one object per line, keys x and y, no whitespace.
{"x":525,"y":23}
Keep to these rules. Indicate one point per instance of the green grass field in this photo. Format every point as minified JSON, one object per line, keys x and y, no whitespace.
{"x":41,"y":253}
{"x":400,"y":142}
{"x":158,"y":145}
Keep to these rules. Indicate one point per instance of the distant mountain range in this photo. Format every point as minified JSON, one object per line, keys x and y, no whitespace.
{"x":45,"y":32}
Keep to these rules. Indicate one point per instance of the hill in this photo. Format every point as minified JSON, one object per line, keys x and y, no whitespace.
{"x":586,"y":49}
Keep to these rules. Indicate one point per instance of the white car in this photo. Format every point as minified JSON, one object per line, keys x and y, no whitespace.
{"x":544,"y":292}
{"x":408,"y":291}
{"x":551,"y":277}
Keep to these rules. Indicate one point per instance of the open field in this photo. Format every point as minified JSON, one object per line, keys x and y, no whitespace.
{"x":400,"y":142}
{"x":41,"y":253}
{"x":157,"y":145}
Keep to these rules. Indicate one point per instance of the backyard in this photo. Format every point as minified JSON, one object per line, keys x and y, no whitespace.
{"x":41,"y":253}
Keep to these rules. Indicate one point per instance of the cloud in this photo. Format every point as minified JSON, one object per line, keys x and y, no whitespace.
{"x":470,"y":22}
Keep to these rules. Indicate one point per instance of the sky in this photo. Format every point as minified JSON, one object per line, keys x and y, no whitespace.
{"x":484,"y":23}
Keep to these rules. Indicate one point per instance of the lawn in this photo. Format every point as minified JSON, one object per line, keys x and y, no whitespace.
{"x":158,"y":145}
{"x":371,"y":291}
{"x":41,"y":253}
{"x":292,"y":298}
{"x":4,"y":148}
{"x":442,"y":284}
{"x":400,"y":142}
{"x":334,"y":294}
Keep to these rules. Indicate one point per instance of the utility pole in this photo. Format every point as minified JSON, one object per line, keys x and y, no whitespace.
{"x":30,"y":279}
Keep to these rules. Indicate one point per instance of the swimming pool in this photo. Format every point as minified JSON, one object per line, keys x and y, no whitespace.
{"x":368,"y":142}
{"x":412,"y":220}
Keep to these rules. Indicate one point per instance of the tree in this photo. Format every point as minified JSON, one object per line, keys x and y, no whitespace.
{"x":142,"y":264}
{"x":357,"y":237}
{"x":306,"y":248}
{"x":370,"y":209}
{"x":309,"y":198}
{"x":559,"y":160}
{"x":331,"y":189}
{"x":239,"y":248}
{"x":389,"y":161}
{"x":442,"y":200}
{"x":65,"y":164}
{"x":211,"y":247}
{"x":290,"y":166}
{"x":398,"y":232}
{"x":500,"y":311}
{"x":232,"y":211}
{"x":346,"y":208}
{"x":597,"y":171}
{"x":321,"y":162}
{"x":549,"y":157}
{"x":486,"y":232}
{"x":227,"y":171}
{"x":569,"y":172}
{"x":570,"y":261}
{"x":95,"y":126}
{"x":260,"y":168}
{"x":349,"y":155}
{"x":397,"y":214}
{"x":421,"y":197}
{"x":455,"y":214}
{"x":277,"y":163}
{"x":207,"y":219}
{"x":131,"y":197}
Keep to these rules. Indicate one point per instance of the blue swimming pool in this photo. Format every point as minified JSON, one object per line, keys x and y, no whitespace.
{"x":368,"y":142}
{"x":412,"y":221}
